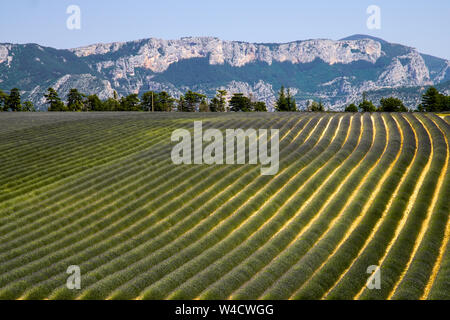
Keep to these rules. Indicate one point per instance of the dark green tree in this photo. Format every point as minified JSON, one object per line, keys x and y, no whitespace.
{"x":165,"y":102}
{"x":315,"y":107}
{"x":433,"y":101}
{"x":259,"y":106}
{"x":130,"y":103}
{"x":240,"y":103}
{"x":430,"y":100}
{"x":148,"y":100}
{"x":392,"y":104}
{"x":366,"y":105}
{"x":291,"y":104}
{"x":351,"y":108}
{"x":111,"y":104}
{"x":28,"y":107}
{"x":93,"y":103}
{"x":219,"y":102}
{"x":75,"y":101}
{"x":214,"y":105}
{"x":192,"y":101}
{"x":158,"y":102}
{"x":13,"y":102}
{"x":203,"y":106}
{"x":321,"y":106}
{"x":181,"y":106}
{"x":445,"y":103}
{"x":54,"y":101}
{"x":282,"y":103}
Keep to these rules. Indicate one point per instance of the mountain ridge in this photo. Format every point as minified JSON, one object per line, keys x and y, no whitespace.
{"x":335,"y":71}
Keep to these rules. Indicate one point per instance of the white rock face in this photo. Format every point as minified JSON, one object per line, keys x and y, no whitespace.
{"x":4,"y":53}
{"x":136,"y":67}
{"x":157,"y":55}
{"x":443,"y":72}
{"x":85,"y":83}
{"x":409,"y":70}
{"x":261,"y":90}
{"x":100,"y":48}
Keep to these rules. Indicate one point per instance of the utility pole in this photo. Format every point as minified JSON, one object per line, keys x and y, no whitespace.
{"x":153,"y":105}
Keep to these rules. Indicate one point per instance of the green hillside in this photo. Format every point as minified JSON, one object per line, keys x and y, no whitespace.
{"x":206,"y":64}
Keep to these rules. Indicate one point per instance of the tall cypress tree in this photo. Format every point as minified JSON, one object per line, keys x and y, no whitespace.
{"x":13,"y":102}
{"x":431,"y":100}
{"x":192,"y":100}
{"x":219,"y":102}
{"x":53,"y":100}
{"x":75,"y":100}
{"x":291,"y":104}
{"x":282,"y":102}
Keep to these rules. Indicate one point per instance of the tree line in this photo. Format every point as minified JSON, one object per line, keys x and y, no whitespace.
{"x":432,"y":101}
{"x":12,"y":102}
{"x":149,"y":101}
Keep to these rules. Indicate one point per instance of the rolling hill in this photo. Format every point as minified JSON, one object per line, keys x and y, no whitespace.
{"x":99,"y":190}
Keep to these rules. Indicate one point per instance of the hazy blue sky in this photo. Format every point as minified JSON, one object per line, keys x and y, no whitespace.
{"x":417,"y":23}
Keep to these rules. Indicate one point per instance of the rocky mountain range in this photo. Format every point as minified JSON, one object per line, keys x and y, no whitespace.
{"x":336,"y":72}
